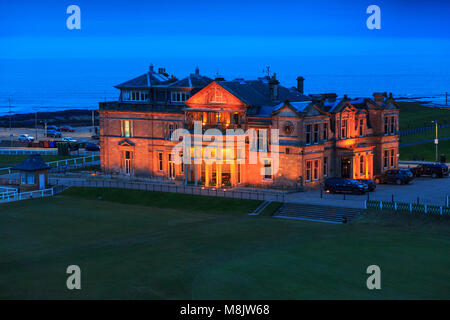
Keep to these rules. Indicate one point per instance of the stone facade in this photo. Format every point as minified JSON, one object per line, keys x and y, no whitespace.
{"x":319,"y":136}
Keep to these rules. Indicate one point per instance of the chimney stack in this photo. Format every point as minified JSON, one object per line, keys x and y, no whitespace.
{"x":273,"y":87}
{"x":197,"y":71}
{"x":300,"y":84}
{"x":151,"y":68}
{"x":161,"y":70}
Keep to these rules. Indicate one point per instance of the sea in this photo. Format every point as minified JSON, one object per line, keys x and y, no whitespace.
{"x":28,"y":85}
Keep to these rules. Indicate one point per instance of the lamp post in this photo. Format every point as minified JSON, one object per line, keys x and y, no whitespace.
{"x":436,"y":141}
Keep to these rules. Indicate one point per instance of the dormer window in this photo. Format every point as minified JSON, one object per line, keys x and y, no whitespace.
{"x":178,"y":96}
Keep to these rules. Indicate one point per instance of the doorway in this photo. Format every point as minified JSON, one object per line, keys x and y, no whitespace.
{"x":41,"y":181}
{"x":127,"y":162}
{"x":345,"y":167}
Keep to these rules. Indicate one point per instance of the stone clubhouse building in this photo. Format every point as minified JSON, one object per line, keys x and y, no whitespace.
{"x":319,"y":136}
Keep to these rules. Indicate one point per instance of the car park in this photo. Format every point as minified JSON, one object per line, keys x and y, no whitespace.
{"x":343,"y":185}
{"x":68,"y":139}
{"x":396,"y":176}
{"x":25,"y":138}
{"x":52,"y":127}
{"x":53,"y":134}
{"x":66,"y":129}
{"x":92,"y":147}
{"x":435,"y":170}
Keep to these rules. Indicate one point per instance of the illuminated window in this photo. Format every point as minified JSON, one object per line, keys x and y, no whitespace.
{"x":316,"y":169}
{"x":126,"y":128}
{"x":267,"y":170}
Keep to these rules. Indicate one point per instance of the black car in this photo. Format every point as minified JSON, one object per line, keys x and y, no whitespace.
{"x":334,"y":185}
{"x":55,"y":128}
{"x":370,"y":183}
{"x":92,"y":147}
{"x":397,"y":176}
{"x":53,"y":134}
{"x":435,"y":170}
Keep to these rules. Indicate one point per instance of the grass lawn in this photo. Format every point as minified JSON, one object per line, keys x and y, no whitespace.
{"x":7,"y":160}
{"x":414,"y":115}
{"x":427,"y":150}
{"x":428,"y":135}
{"x":132,"y":244}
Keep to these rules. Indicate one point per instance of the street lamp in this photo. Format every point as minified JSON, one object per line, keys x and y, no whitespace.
{"x":436,"y":141}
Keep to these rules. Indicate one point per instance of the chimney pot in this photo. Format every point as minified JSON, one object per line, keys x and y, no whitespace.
{"x":300,"y":81}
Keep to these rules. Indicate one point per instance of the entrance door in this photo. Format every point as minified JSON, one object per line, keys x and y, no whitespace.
{"x":171,"y":167}
{"x":345,"y":168}
{"x":127,"y":162}
{"x":41,"y":181}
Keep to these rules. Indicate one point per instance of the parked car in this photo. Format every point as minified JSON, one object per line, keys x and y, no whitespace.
{"x":397,"y":176}
{"x":435,"y":170}
{"x":66,"y":129}
{"x":52,"y":128}
{"x":334,"y":185}
{"x":92,"y":147}
{"x":370,"y":183}
{"x":68,"y":139}
{"x":95,"y":137}
{"x":53,"y":134}
{"x":25,"y":138}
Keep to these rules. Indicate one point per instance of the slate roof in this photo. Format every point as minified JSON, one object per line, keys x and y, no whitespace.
{"x":192,"y":81}
{"x":33,"y":163}
{"x":257,"y":92}
{"x":147,"y":80}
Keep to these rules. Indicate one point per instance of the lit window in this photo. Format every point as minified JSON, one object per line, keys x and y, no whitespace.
{"x":316,"y":169}
{"x":267,"y":170}
{"x":127,"y":128}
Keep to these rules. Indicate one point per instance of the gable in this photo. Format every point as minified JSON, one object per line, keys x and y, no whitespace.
{"x":126,"y":143}
{"x":285,"y":111}
{"x":214,"y":95}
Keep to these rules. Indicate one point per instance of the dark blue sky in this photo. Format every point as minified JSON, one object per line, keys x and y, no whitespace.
{"x":215,"y":29}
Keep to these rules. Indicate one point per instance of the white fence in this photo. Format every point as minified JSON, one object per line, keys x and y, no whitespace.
{"x":6,"y":193}
{"x":16,"y":196}
{"x":79,"y":161}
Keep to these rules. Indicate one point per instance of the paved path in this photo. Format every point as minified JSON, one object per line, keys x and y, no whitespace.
{"x":427,"y":190}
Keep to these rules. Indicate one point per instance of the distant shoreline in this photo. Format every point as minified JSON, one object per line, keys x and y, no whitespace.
{"x":74,"y":117}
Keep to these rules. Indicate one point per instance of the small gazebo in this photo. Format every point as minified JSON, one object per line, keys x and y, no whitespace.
{"x":33,"y":173}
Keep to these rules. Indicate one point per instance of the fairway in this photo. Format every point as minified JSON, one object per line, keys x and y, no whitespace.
{"x":142,"y":245}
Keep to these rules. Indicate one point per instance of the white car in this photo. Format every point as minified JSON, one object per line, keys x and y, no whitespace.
{"x":68,"y":139}
{"x":25,"y":138}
